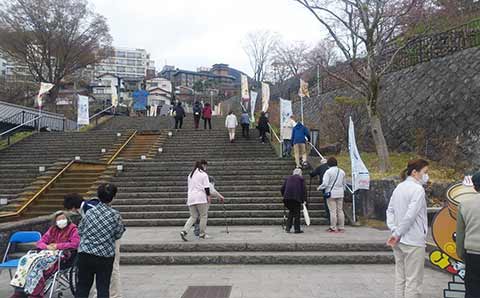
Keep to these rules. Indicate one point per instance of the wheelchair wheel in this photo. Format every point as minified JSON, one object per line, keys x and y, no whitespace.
{"x":73,"y":279}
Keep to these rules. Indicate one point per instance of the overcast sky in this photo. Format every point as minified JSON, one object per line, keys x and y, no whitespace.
{"x":193,"y":33}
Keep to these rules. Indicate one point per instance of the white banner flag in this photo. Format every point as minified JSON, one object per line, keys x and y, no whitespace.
{"x":303,"y":90}
{"x":360,"y":174}
{"x":253,"y":102}
{"x":245,"y":94}
{"x":114,"y":95}
{"x":265,"y":96}
{"x":82,"y":113}
{"x":285,"y":113}
{"x":44,"y":88}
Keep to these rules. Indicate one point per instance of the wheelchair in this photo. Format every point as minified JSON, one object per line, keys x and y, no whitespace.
{"x":64,"y":279}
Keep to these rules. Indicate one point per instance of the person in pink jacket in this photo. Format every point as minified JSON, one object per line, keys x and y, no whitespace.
{"x":35,"y":269}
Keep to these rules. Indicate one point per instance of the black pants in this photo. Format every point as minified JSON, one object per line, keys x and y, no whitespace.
{"x":205,"y":120}
{"x":263,"y":134}
{"x":90,"y":267}
{"x":178,"y":123}
{"x":196,"y":119}
{"x":294,"y":208}
{"x":472,"y":275}
{"x":245,"y":130}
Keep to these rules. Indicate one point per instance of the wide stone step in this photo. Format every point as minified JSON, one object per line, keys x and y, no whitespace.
{"x":231,"y":172}
{"x":213,"y":207}
{"x":212,"y":166}
{"x":227,"y":194}
{"x":214,"y":222}
{"x":182,"y":181}
{"x":230,"y":258}
{"x":243,"y":246}
{"x":213,"y":214}
{"x":182,"y":200}
{"x":172,"y":189}
{"x":226,"y":180}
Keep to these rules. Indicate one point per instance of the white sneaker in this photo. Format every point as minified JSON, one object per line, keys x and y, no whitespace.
{"x":205,"y":237}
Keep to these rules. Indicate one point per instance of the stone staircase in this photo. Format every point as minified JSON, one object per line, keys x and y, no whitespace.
{"x":247,"y":173}
{"x":19,"y":164}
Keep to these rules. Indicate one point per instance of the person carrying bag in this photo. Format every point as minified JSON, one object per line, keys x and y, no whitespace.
{"x":334,"y":196}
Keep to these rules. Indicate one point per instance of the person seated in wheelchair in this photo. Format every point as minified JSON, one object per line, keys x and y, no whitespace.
{"x":37,"y":266}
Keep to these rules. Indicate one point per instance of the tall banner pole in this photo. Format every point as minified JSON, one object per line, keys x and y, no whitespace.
{"x":301,"y":108}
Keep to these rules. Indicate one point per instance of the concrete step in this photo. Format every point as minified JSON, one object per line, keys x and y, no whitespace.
{"x":213,"y":207}
{"x":214,"y":222}
{"x":224,"y":258}
{"x":182,"y":200}
{"x":237,"y":214}
{"x":226,"y":194}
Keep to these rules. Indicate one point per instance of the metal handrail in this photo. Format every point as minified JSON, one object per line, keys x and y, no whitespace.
{"x":318,"y":152}
{"x":18,"y":126}
{"x":39,"y":192}
{"x":11,"y":116}
{"x":121,"y":148}
{"x":274,"y":133}
{"x":101,"y":112}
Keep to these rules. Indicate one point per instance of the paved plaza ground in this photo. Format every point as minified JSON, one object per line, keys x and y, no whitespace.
{"x":277,"y":281}
{"x":255,"y":234}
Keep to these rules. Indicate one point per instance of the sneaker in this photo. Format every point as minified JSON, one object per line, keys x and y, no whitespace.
{"x":183,"y":234}
{"x":205,"y":237}
{"x":330,"y":230}
{"x":299,"y":232}
{"x":341,"y":231}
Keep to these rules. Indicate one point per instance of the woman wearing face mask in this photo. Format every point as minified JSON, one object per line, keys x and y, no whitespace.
{"x":407,"y":220}
{"x":36,"y":267}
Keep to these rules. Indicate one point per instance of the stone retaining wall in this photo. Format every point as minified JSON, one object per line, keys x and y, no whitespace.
{"x":432,"y":108}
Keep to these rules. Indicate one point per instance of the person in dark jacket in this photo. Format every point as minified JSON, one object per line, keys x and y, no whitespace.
{"x":320,"y":171}
{"x":197,"y":113}
{"x":179,"y":114}
{"x":207,"y":116}
{"x":263,"y":127}
{"x":300,"y":136}
{"x":294,"y":195}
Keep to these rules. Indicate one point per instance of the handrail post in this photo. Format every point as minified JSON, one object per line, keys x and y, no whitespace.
{"x":23,"y":117}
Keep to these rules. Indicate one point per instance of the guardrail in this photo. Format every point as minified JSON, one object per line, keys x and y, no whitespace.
{"x":121,"y":148}
{"x":10,"y":132}
{"x":275,"y":141}
{"x":38,"y":193}
{"x":99,"y":114}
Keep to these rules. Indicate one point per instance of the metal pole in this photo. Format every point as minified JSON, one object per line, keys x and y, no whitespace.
{"x":353,"y":197}
{"x":301,"y":108}
{"x":318,"y":79}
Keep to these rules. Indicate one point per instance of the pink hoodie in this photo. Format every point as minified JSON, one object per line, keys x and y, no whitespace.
{"x":66,"y":238}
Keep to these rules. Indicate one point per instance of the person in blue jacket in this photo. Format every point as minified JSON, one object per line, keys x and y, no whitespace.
{"x":300,"y":135}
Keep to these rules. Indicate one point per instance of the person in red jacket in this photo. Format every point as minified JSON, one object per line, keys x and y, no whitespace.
{"x":207,"y":116}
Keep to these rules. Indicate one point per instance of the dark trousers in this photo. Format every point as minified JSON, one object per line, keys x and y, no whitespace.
{"x":287,"y":148}
{"x":178,"y":123}
{"x":90,"y":267}
{"x":472,"y":275}
{"x":246,"y":130}
{"x":209,"y":120}
{"x":196,"y":119}
{"x":294,"y":208}
{"x":263,"y":134}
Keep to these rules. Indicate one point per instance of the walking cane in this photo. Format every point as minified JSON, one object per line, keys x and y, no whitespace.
{"x":225,"y":216}
{"x":284,"y":222}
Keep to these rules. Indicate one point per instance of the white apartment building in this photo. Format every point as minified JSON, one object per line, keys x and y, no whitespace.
{"x":126,"y":63}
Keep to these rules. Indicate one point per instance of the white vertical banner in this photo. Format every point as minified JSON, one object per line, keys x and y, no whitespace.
{"x":265,"y":96}
{"x":82,"y":112}
{"x":44,"y":88}
{"x":360,"y":174}
{"x":244,"y":81}
{"x":285,"y":113}
{"x":114,"y":94}
{"x":253,"y":102}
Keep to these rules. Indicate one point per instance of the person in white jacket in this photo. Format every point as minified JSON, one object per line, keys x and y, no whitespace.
{"x":407,"y":220}
{"x":287,"y":136}
{"x":231,"y":124}
{"x":334,"y":184}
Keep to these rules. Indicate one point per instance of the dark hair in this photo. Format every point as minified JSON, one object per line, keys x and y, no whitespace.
{"x":179,"y":104}
{"x":72,"y":200}
{"x":106,"y":192}
{"x":332,"y":162}
{"x":415,"y":164}
{"x":207,"y":104}
{"x":230,"y":113}
{"x":476,"y":181}
{"x":199,"y":166}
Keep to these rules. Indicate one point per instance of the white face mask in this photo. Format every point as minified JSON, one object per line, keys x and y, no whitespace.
{"x":425,"y":179}
{"x":62,"y":223}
